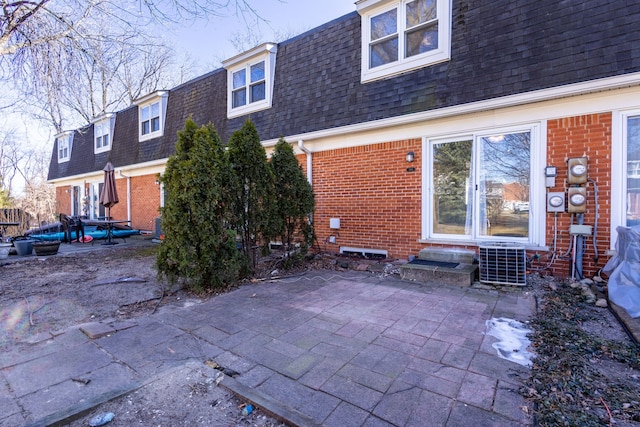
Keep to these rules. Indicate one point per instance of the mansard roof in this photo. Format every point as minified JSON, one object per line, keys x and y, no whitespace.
{"x":498,"y":48}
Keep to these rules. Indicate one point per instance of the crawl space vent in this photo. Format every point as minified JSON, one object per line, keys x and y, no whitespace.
{"x":503,"y":264}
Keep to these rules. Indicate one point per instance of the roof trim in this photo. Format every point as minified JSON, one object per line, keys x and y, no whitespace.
{"x":103,"y":116}
{"x":582,"y":88}
{"x":64,"y":133}
{"x":150,"y":96}
{"x":121,"y":169}
{"x":245,"y":56}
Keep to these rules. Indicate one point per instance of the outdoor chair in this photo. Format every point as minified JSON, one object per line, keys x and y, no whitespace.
{"x":69,"y":225}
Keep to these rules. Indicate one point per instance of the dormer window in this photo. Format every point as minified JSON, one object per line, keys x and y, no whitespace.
{"x":250,"y":80}
{"x":151,"y":115}
{"x":248,"y":92}
{"x":64,"y":141}
{"x":102,"y":133}
{"x":403,"y":35}
{"x":150,"y":118}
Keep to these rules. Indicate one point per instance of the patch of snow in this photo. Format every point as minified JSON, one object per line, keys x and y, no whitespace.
{"x":513,"y":343}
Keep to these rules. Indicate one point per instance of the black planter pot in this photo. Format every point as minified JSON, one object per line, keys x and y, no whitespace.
{"x":46,"y":248}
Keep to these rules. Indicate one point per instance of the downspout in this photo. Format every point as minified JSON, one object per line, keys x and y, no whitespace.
{"x":306,"y":151}
{"x":128,"y":195}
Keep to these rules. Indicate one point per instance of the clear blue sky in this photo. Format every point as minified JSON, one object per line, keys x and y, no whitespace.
{"x":208,"y":42}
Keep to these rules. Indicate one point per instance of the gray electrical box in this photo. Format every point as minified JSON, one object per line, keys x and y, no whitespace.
{"x":555,"y":202}
{"x":580,"y":230}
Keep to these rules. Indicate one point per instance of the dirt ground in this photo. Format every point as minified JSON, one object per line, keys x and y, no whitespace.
{"x":39,"y":295}
{"x":43,"y":294}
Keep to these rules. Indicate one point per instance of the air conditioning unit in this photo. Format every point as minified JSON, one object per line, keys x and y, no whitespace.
{"x":503,"y":264}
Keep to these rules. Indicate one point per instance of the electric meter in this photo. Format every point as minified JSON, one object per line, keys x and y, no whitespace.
{"x":577,"y":200}
{"x":577,"y":171}
{"x":555,"y":202}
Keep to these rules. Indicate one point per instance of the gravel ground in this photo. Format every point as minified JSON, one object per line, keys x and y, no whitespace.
{"x":43,"y":294}
{"x":587,"y":368}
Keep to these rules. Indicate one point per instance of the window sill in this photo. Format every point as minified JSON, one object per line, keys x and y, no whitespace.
{"x":401,"y":67}
{"x":527,"y":246}
{"x":248,"y":109}
{"x":150,"y":136}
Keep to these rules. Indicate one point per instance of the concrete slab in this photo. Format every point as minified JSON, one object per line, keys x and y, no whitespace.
{"x":355,"y":349}
{"x":55,"y":368}
{"x":97,"y":330}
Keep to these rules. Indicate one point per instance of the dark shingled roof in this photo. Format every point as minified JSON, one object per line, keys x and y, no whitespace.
{"x":498,"y":48}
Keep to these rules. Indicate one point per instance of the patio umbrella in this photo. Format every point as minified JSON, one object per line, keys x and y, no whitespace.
{"x":109,"y":195}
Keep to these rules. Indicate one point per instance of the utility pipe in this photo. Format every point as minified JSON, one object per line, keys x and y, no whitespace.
{"x":579,"y":242}
{"x":128,"y":194}
{"x":309,"y":161}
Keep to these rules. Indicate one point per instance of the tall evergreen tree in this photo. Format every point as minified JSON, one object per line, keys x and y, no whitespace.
{"x":254,"y":201}
{"x":295,"y":200}
{"x":199,"y":248}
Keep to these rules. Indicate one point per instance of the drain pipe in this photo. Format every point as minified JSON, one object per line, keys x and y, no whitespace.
{"x":128,"y":194}
{"x":579,"y":250}
{"x":306,"y":151}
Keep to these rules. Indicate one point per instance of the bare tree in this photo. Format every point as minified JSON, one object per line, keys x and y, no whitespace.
{"x":25,"y":25}
{"x":39,"y":198}
{"x":72,"y":86}
{"x":253,"y":36}
{"x":28,"y":24}
{"x":72,"y":60}
{"x":24,"y":168}
{"x":12,"y":157}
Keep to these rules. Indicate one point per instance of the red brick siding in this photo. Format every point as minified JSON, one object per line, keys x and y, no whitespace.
{"x":582,"y":136}
{"x":145,"y":201}
{"x":63,"y":200}
{"x":119,"y":210}
{"x":369,"y":189}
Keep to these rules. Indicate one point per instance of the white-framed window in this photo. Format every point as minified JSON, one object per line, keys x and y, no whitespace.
{"x":403,"y":35}
{"x":484,"y":186}
{"x":625,"y":180}
{"x":102,"y":134}
{"x":64,"y":143}
{"x":250,"y":78}
{"x":152,"y":111}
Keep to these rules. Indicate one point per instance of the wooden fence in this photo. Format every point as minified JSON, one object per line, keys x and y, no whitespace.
{"x":15,"y":215}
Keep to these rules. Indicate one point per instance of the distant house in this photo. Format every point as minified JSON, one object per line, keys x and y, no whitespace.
{"x":417,"y":122}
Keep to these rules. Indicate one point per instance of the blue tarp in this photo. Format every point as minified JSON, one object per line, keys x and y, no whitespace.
{"x":88,"y":231}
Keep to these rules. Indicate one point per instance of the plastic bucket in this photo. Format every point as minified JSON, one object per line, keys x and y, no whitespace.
{"x":23,"y":247}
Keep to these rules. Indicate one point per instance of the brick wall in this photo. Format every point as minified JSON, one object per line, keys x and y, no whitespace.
{"x":145,"y":201}
{"x":369,"y":189}
{"x":582,"y":136}
{"x":63,"y":200}
{"x":379,"y":202}
{"x":119,"y":210}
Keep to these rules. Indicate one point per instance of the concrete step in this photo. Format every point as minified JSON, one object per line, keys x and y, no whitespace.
{"x":457,"y":255}
{"x":461,"y":275}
